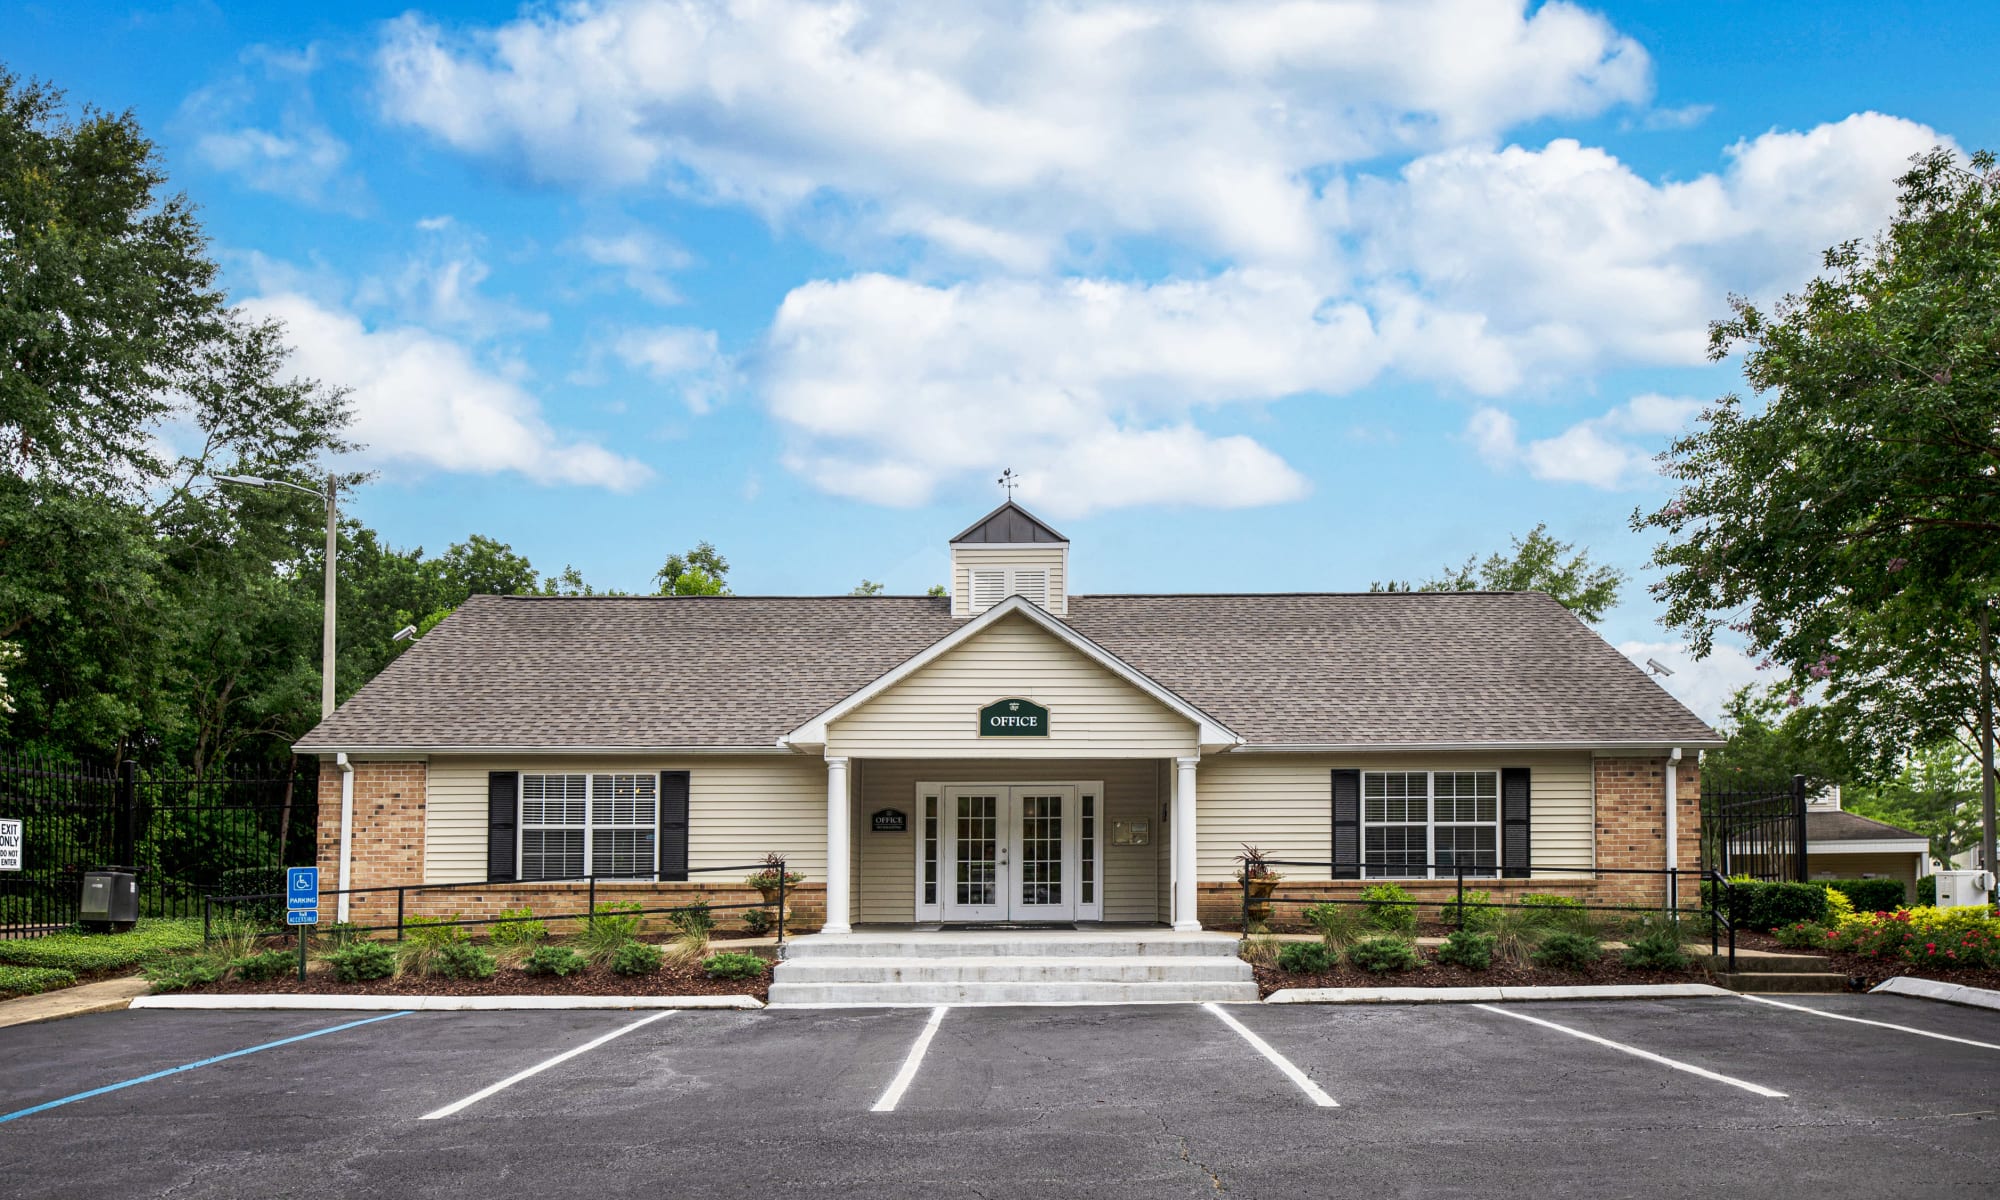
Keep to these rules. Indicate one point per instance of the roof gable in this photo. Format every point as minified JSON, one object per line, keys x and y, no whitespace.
{"x":1010,"y":524}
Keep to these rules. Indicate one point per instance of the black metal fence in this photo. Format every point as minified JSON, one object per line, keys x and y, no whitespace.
{"x":1761,"y":834}
{"x":226,"y":830}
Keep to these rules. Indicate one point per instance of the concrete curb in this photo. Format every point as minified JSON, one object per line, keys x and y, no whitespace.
{"x":1946,"y":993}
{"x":441,"y":1003}
{"x":1490,"y":995}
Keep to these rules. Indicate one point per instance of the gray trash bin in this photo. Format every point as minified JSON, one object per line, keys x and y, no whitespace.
{"x":110,"y":902}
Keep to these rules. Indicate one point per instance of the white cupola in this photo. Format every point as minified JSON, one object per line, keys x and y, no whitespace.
{"x":1009,"y":552}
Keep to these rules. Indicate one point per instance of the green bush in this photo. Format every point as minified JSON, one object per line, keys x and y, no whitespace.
{"x":1757,"y":905}
{"x":1926,"y":896}
{"x":360,"y":961}
{"x":553,"y":960}
{"x":1872,"y":895}
{"x":1307,"y":957}
{"x":434,"y":931}
{"x":1555,"y":912}
{"x":1656,"y":943}
{"x":637,"y":958}
{"x":733,"y":965}
{"x":1381,"y":955}
{"x":614,"y":925}
{"x":271,"y":964}
{"x":180,"y":974}
{"x":758,"y":921}
{"x":26,"y":981}
{"x":1477,"y":913}
{"x":1469,"y":949}
{"x":87,"y":953}
{"x":1390,"y":907}
{"x":1802,"y":935}
{"x":518,"y":927}
{"x":1338,"y":925}
{"x":339,"y":933}
{"x":463,"y":960}
{"x":1565,"y":950}
{"x":693,"y":920}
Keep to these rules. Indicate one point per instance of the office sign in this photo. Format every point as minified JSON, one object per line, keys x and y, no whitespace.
{"x":1013,"y":718}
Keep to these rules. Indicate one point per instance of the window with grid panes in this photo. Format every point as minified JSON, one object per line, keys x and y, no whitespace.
{"x":1410,"y":819}
{"x":605,"y":825}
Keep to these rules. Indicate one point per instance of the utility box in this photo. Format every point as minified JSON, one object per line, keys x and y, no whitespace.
{"x":110,"y":902}
{"x":1964,"y":889}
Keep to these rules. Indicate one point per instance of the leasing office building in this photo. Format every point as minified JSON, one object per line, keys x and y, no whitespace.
{"x":1009,"y":752}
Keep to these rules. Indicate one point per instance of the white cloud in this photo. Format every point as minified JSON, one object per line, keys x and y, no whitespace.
{"x":442,"y":285}
{"x":643,"y":260}
{"x":687,"y":358}
{"x":1704,"y":685}
{"x":1598,"y":451}
{"x":1089,"y":388}
{"x":294,"y":155}
{"x":421,"y":400}
{"x":998,"y":129}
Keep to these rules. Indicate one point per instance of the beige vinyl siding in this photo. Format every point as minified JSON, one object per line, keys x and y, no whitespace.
{"x":935,"y":712}
{"x":885,"y":873}
{"x":1827,"y":862}
{"x":1282,"y":803}
{"x":739,"y":809}
{"x":1049,"y":556}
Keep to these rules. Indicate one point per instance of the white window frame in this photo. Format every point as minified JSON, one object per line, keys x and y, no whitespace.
{"x":937,"y":793}
{"x":590,"y":826}
{"x":1010,"y":585}
{"x":1430,"y":825}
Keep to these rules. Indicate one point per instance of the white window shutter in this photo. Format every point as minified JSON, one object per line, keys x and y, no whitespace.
{"x":1032,"y":586}
{"x":988,"y":589}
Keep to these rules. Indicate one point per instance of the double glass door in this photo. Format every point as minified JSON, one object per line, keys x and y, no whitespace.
{"x":1010,"y":853}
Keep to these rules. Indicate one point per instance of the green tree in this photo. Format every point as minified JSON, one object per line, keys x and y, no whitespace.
{"x":1769,"y":743}
{"x":938,"y":591}
{"x":1935,"y":794}
{"x":1536,"y":563}
{"x":699,"y":572}
{"x":1849,"y":528}
{"x":868,"y":587}
{"x":481,"y":566}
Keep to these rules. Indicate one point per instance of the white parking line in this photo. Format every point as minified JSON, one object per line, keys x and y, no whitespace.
{"x":915,"y":1059}
{"x":1304,"y":1081}
{"x":458,"y":1106}
{"x":1832,"y":1016}
{"x":1648,"y":1055}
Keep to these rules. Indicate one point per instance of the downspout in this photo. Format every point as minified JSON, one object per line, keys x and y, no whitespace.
{"x":346,"y":830}
{"x":1673,"y":855}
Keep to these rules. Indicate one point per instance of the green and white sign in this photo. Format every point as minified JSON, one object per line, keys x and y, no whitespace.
{"x":1013,"y":718}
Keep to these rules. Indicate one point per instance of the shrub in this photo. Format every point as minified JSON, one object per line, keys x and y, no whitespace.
{"x":692,"y":924}
{"x":766,"y":880}
{"x":1381,"y":955}
{"x":637,"y":958}
{"x":1338,"y":925}
{"x":362,"y":961}
{"x":26,"y":981}
{"x":1871,"y":895}
{"x":1516,"y":931}
{"x":1477,"y":913}
{"x":1261,"y":951}
{"x":1467,"y":948}
{"x":426,"y":939}
{"x":180,"y":974}
{"x":89,"y":953}
{"x":1555,"y":912}
{"x":1566,"y":950}
{"x":1390,"y":907}
{"x":733,"y":965}
{"x":1307,"y":957}
{"x":518,"y":927}
{"x":612,"y":926}
{"x":1838,"y":907}
{"x":1802,"y":935}
{"x":463,"y":960}
{"x":1760,"y":905}
{"x":758,"y":921}
{"x":339,"y":933}
{"x":271,"y":964}
{"x":1656,"y":943}
{"x":1927,"y":890}
{"x":1957,"y":948}
{"x":559,"y":961}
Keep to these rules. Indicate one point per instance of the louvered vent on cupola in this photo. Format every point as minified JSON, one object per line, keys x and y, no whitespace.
{"x":1009,"y":552}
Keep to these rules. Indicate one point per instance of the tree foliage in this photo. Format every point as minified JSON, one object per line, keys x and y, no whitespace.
{"x":1936,"y":794}
{"x":1769,"y":743}
{"x":700,"y":572}
{"x":1849,"y":528}
{"x":1536,"y":563}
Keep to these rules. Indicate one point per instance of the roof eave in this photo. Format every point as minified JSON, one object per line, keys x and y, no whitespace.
{"x":1496,"y":745}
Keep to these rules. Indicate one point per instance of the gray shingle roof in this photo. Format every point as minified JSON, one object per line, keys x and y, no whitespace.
{"x":1837,"y":825}
{"x":742,"y":671}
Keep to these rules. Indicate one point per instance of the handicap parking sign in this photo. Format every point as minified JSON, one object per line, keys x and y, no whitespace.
{"x":302,"y":895}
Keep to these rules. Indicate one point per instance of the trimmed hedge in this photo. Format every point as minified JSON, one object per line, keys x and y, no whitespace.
{"x":1767,"y":906}
{"x":1926,"y":896}
{"x":1872,"y":895}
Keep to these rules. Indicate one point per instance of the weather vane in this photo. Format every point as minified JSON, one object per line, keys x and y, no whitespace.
{"x":1009,"y":481}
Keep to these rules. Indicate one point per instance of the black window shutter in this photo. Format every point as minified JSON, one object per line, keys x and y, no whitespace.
{"x":1347,"y":824}
{"x":674,"y":826}
{"x":503,"y":814}
{"x":1515,"y":852}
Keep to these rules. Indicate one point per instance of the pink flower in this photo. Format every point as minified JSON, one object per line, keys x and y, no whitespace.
{"x":1897,"y":564}
{"x":1794,"y":700}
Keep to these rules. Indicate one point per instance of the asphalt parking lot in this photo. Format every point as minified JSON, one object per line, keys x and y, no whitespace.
{"x":1726,"y":1096}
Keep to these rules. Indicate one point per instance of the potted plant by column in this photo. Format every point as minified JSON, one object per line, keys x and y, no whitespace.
{"x":1254,"y":869}
{"x":766,"y":883}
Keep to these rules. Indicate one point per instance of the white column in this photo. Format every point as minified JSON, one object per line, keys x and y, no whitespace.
{"x":839,"y":824}
{"x":1185,"y":908}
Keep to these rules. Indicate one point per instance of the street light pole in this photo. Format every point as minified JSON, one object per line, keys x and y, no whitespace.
{"x":327,"y":640}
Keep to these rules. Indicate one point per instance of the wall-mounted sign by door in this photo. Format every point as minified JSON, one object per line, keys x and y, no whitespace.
{"x":889,"y":820}
{"x":1013,"y":718}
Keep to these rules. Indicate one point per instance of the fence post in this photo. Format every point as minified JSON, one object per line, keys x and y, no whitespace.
{"x":591,"y":921}
{"x":125,"y":830}
{"x":205,"y":909}
{"x":1459,"y":866}
{"x":399,"y":914}
{"x":1714,"y":901}
{"x":781,"y":904}
{"x":1799,"y":829}
{"x":1246,"y":902}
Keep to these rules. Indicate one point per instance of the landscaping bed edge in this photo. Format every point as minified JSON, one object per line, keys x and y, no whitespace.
{"x":423,"y":1003}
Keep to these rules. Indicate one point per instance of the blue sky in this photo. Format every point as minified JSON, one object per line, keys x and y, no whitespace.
{"x":1252,"y":296}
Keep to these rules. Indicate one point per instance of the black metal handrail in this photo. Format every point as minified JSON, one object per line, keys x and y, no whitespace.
{"x":402,"y":891}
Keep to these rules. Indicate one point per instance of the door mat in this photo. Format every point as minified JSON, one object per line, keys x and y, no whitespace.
{"x":1004,"y":926}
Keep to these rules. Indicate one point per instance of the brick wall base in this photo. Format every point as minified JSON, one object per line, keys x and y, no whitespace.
{"x":1220,"y":905}
{"x":388,"y":833}
{"x":805,"y":906}
{"x":1631,"y":828}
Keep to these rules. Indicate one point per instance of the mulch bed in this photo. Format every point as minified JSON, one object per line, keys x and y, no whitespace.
{"x":1871,"y":970}
{"x":1435,"y":974}
{"x":673,"y":979}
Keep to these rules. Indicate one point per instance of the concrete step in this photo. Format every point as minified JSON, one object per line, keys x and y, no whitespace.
{"x":1066,"y":968}
{"x":1765,"y":962}
{"x":1817,"y":982}
{"x":1051,"y":944}
{"x":785,"y":994}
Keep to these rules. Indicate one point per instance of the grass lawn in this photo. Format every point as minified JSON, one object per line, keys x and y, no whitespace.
{"x":30,"y":965}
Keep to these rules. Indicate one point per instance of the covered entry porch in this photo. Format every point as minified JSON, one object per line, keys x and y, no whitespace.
{"x":1042,"y":841}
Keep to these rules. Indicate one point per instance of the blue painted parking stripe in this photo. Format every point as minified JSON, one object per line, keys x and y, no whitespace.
{"x":113,"y":1087}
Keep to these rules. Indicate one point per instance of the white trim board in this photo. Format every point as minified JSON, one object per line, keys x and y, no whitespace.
{"x":1878,"y":846}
